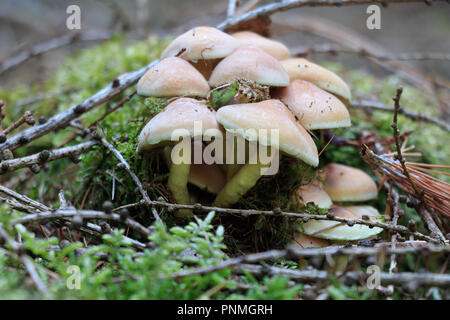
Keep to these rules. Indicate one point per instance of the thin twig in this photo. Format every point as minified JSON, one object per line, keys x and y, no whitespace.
{"x":63,"y":119}
{"x":398,"y":279}
{"x":393,"y":199}
{"x":45,"y":156}
{"x":85,"y":214}
{"x":375,"y":105}
{"x":50,"y":45}
{"x":23,"y":199}
{"x":24,"y":118}
{"x":335,"y":49}
{"x":419,"y":194}
{"x":135,"y":178}
{"x":232,"y":4}
{"x":302,"y":216}
{"x":293,"y":252}
{"x":272,"y":8}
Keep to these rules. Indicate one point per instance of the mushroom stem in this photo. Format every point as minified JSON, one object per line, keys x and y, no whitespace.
{"x":232,"y":169}
{"x":177,"y":183}
{"x":241,"y":182}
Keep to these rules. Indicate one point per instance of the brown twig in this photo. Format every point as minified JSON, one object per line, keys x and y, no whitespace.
{"x":398,"y":279}
{"x":50,"y":45}
{"x":231,"y":10}
{"x":302,"y":216}
{"x":375,"y":105}
{"x":423,"y":209}
{"x":64,"y":118}
{"x":45,"y":156}
{"x":272,"y":8}
{"x":293,"y":252}
{"x":85,"y":214}
{"x":26,"y":117}
{"x":133,"y":176}
{"x":335,"y":49}
{"x":23,"y":199}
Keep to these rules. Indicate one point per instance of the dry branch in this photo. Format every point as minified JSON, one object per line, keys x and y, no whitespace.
{"x":425,"y":279}
{"x":136,"y":180}
{"x":287,"y":5}
{"x":302,"y":216}
{"x":45,"y":156}
{"x":335,"y":49}
{"x":64,"y":118}
{"x":50,"y":45}
{"x":231,"y":10}
{"x":375,"y":105}
{"x":85,"y":214}
{"x":295,"y":253}
{"x":23,"y":199}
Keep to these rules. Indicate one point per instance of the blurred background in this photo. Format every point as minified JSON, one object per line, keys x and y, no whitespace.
{"x":404,"y":28}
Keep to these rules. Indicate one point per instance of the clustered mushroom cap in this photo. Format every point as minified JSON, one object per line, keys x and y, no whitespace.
{"x":251,"y":63}
{"x":332,"y":230}
{"x":202,"y":43}
{"x":312,"y":193}
{"x":305,"y":241}
{"x":173,"y":77}
{"x":271,"y":114}
{"x":300,"y":68}
{"x":314,"y":107}
{"x":344,"y":183}
{"x":179,"y":114}
{"x":276,"y":49}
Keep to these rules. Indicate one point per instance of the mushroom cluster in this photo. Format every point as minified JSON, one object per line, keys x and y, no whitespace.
{"x":247,"y":85}
{"x":337,"y":183}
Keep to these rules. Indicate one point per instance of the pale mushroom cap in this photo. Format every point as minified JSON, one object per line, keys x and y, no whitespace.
{"x":173,"y":77}
{"x":360,"y":211}
{"x":312,"y":193}
{"x":314,"y":107}
{"x":325,"y":228}
{"x":207,"y":177}
{"x":270,"y":114}
{"x":305,"y":241}
{"x":251,"y":63}
{"x":276,"y":49}
{"x":183,"y":113}
{"x":202,"y":43}
{"x":344,"y":183}
{"x":299,"y":68}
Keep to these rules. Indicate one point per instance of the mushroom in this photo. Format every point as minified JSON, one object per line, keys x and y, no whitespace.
{"x":344,"y":183}
{"x":207,"y":177}
{"x":250,"y":63}
{"x":314,"y":107}
{"x":202,"y":46}
{"x":300,"y":68}
{"x":276,"y":49}
{"x":173,"y":77}
{"x":334,"y":230}
{"x":311,"y":193}
{"x":179,"y":117}
{"x":251,"y":118}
